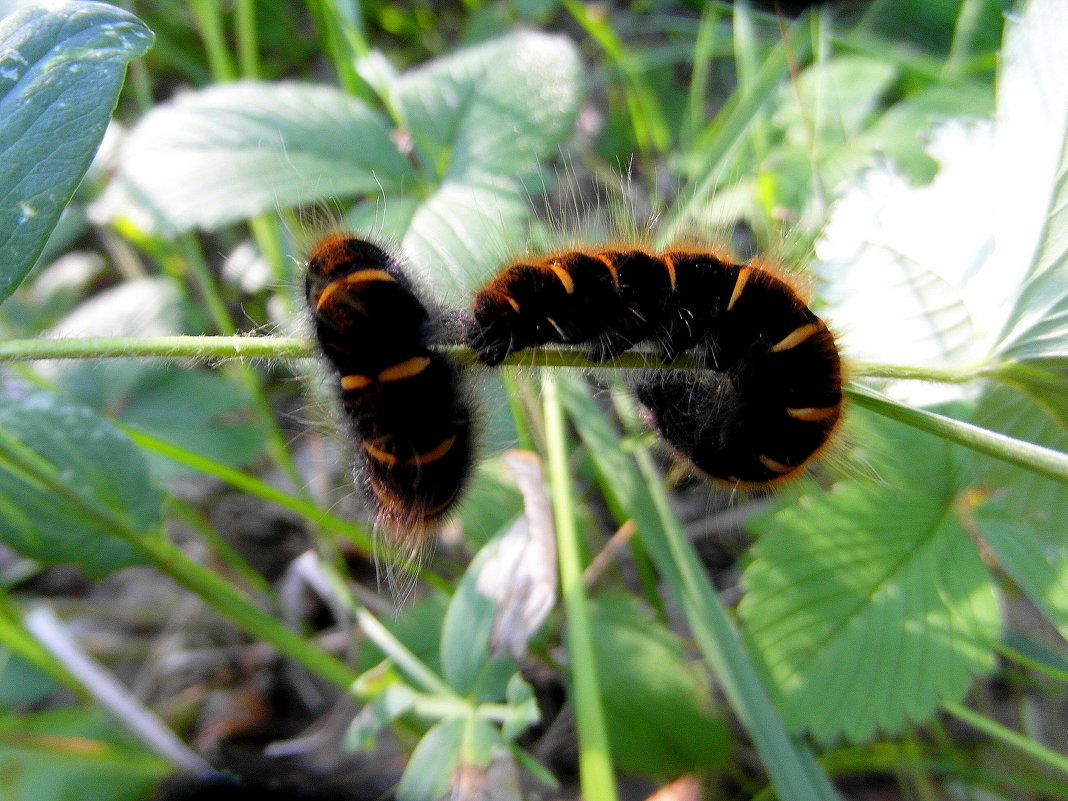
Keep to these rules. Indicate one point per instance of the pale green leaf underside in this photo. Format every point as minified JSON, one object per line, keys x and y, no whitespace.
{"x":61,"y":69}
{"x":1032,"y":139}
{"x":836,"y":96}
{"x":870,"y":603}
{"x":493,"y":107}
{"x":234,"y":150}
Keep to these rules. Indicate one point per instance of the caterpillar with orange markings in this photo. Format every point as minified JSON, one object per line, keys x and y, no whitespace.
{"x":770,"y":395}
{"x":407,"y":408}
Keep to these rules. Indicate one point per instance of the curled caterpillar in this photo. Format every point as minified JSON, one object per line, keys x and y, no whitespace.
{"x":407,"y":409}
{"x":771,"y":394}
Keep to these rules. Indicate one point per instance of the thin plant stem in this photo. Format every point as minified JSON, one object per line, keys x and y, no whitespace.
{"x":1044,"y":461}
{"x":210,"y":26}
{"x":248,"y":54}
{"x":1035,"y":458}
{"x":1006,"y":735}
{"x":595,"y":758}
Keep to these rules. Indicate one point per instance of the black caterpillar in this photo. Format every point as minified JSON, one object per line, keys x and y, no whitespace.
{"x":771,"y":395}
{"x":408,"y":411}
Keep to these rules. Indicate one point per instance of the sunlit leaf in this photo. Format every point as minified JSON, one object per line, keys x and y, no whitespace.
{"x":61,"y":69}
{"x":869,"y":602}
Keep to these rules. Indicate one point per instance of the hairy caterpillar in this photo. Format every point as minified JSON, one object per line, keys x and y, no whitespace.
{"x":407,"y":409}
{"x":771,"y":394}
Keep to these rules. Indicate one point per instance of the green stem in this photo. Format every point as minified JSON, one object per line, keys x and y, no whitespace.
{"x":265,"y":230}
{"x":247,"y":44}
{"x":595,"y":758}
{"x":1008,"y":736}
{"x":184,"y":348}
{"x":1044,"y":461}
{"x":220,"y":348}
{"x":209,"y":23}
{"x":223,"y":551}
{"x":939,"y":375}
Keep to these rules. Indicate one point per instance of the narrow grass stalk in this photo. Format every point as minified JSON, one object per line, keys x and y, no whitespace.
{"x":340,"y":47}
{"x":707,"y":159}
{"x":209,"y":24}
{"x":1047,"y":756}
{"x":88,"y":751}
{"x":647,"y":117}
{"x":169,"y":559}
{"x":266,"y":231}
{"x":1035,"y":458}
{"x":637,"y":493}
{"x":697,"y":97}
{"x":248,"y":51}
{"x":223,"y":551}
{"x":595,"y":759}
{"x":110,"y":693}
{"x":323,"y":521}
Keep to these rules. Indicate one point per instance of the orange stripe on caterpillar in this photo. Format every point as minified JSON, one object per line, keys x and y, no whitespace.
{"x":406,"y":369}
{"x":358,"y":277}
{"x":796,"y":337}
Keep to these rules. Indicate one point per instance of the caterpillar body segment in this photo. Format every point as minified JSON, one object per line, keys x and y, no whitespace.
{"x":770,"y":396}
{"x":408,"y":411}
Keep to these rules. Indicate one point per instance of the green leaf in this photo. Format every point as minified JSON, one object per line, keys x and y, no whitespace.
{"x":61,"y":69}
{"x":869,"y":602}
{"x":658,"y":710}
{"x":985,"y":286}
{"x":90,"y":457}
{"x":1032,"y":137}
{"x":481,"y":741}
{"x":497,"y":107}
{"x":837,"y":97}
{"x":394,"y":700}
{"x":20,"y":682}
{"x":892,"y":260}
{"x":219,"y":425}
{"x":456,"y":234}
{"x":432,"y":762}
{"x":1038,"y":566}
{"x":1035,"y":501}
{"x":1025,"y":527}
{"x":231,"y":151}
{"x":465,"y":636}
{"x":98,"y":763}
{"x":1032,"y":130}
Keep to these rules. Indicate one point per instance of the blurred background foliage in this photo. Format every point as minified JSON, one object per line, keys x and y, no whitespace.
{"x":894,"y":147}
